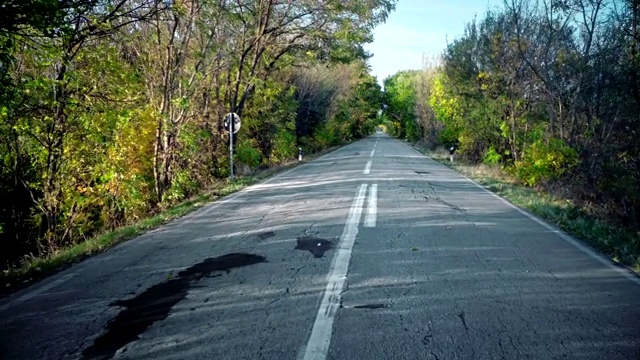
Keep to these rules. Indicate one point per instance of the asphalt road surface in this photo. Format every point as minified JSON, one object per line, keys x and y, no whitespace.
{"x":370,"y":252}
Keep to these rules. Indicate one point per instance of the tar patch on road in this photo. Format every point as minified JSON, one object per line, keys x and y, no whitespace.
{"x":315,"y":245}
{"x":421,"y":172}
{"x":155,"y":303}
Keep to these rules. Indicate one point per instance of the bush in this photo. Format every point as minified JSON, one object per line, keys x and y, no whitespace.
{"x":491,"y":157}
{"x":545,"y":161}
{"x":181,"y":188}
{"x":284,"y":146}
{"x":448,"y":135}
{"x":324,"y":137}
{"x":413,"y":131}
{"x":248,"y":155}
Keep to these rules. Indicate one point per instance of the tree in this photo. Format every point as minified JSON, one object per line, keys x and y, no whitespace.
{"x":400,"y":98}
{"x":111,"y":109}
{"x":547,"y":89}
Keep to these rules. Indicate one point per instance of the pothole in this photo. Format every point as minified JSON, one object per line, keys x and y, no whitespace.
{"x":315,"y":245}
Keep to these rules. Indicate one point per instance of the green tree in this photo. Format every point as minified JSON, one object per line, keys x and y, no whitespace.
{"x":400,"y":100}
{"x":111,"y":109}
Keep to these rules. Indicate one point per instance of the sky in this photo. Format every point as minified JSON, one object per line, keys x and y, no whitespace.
{"x":420,"y":28}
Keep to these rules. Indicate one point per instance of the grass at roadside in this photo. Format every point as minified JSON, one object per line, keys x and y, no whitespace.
{"x":620,"y":244}
{"x":35,"y":269}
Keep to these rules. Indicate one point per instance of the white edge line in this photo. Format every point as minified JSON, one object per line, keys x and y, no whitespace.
{"x":372,"y":208}
{"x":367,"y":169}
{"x":318,"y":344}
{"x":564,"y":236}
{"x":605,"y":261}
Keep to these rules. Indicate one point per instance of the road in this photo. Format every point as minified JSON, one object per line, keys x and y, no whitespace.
{"x":370,"y":252}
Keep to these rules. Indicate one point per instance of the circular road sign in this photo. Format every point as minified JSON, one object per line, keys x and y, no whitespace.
{"x":236,"y":122}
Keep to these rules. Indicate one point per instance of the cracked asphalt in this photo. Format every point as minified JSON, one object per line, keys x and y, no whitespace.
{"x":444,"y":271}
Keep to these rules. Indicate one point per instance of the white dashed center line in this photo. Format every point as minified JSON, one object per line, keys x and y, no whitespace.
{"x":318,"y":344}
{"x":372,"y":207}
{"x":367,"y":169}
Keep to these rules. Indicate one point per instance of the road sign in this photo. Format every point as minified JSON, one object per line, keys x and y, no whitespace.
{"x":236,"y":122}
{"x":232,"y":125}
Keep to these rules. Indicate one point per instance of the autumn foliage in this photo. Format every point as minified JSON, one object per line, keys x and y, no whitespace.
{"x":547,"y":90}
{"x":111,"y":110}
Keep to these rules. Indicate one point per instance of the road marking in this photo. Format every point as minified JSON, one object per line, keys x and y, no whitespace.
{"x":373,"y":152}
{"x":605,"y":261}
{"x":36,"y":292}
{"x":318,"y":344}
{"x":207,"y":209}
{"x":564,"y":236}
{"x":372,"y":208}
{"x":367,"y":169}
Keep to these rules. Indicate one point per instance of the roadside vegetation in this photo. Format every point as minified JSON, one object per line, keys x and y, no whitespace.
{"x":605,"y":235}
{"x":111,"y":110}
{"x":36,"y":267}
{"x":541,"y":101}
{"x":33,"y":268}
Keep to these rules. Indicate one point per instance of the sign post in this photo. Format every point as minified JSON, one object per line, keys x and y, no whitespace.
{"x":231,"y":152}
{"x":232,"y":125}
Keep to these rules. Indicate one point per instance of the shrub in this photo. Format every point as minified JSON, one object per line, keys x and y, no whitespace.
{"x":324,"y":137}
{"x":491,"y":157}
{"x":248,"y":155}
{"x":448,"y":135}
{"x":413,"y":130}
{"x":545,"y":161}
{"x":284,"y":146}
{"x":181,"y":188}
